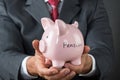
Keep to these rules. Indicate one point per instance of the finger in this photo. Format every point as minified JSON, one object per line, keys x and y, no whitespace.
{"x":72,"y":67}
{"x":64,"y":72}
{"x":48,"y":72}
{"x":68,"y":65}
{"x":69,"y":76}
{"x":60,"y":75}
{"x":86,"y":49}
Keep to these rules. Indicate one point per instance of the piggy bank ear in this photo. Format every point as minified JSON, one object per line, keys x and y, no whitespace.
{"x":61,"y":27}
{"x":75,"y":24}
{"x":46,"y":22}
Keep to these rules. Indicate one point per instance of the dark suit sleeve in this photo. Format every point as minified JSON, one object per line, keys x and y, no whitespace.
{"x":11,"y":48}
{"x":99,"y":38}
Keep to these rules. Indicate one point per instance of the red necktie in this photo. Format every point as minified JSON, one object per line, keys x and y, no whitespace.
{"x":54,"y":12}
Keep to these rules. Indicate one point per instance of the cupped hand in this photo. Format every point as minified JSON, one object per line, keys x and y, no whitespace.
{"x":86,"y":63}
{"x":36,"y":64}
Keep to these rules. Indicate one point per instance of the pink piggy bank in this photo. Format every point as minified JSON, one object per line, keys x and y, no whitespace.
{"x":61,"y":42}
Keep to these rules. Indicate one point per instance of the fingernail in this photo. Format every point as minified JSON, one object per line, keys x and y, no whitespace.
{"x":73,"y":73}
{"x":66,"y":72}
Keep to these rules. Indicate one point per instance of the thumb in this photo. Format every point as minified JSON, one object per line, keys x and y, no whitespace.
{"x":86,"y":49}
{"x":35,"y":44}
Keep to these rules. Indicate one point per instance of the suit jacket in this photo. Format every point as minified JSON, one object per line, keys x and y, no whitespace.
{"x":20,"y":25}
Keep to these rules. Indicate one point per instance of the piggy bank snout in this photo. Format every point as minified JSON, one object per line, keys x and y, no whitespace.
{"x":42,"y":46}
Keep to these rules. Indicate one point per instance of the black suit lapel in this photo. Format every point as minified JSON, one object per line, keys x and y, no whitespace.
{"x":37,"y":8}
{"x":69,"y":10}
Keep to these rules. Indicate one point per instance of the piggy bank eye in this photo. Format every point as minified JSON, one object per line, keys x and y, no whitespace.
{"x":46,"y":36}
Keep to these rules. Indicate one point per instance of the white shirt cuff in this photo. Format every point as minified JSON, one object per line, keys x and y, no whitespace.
{"x":24,"y":72}
{"x":93,"y":67}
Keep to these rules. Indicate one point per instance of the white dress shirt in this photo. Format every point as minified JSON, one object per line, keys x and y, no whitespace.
{"x":24,"y":72}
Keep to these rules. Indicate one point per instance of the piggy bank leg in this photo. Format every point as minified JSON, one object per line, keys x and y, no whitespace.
{"x":76,"y":61}
{"x":58,"y":64}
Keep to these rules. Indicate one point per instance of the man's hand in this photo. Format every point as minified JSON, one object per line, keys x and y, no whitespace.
{"x":37,"y":66}
{"x":86,"y":63}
